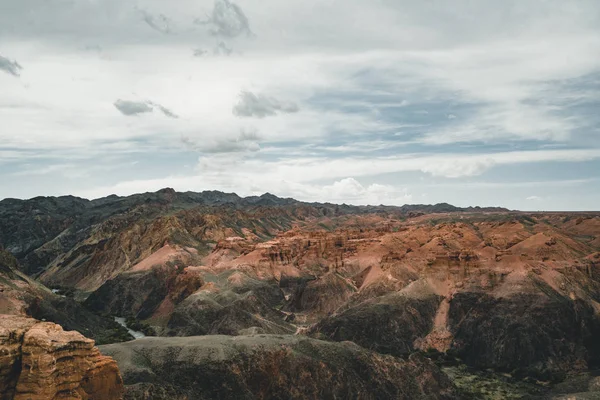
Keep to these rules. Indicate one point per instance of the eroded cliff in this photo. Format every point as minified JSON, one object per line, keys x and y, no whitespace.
{"x":41,"y":361}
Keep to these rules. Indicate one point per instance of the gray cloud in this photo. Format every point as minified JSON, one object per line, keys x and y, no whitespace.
{"x":131,"y":108}
{"x":93,"y":48}
{"x":246,"y":141}
{"x":10,"y":66}
{"x":260,"y":106}
{"x":164,"y":110}
{"x":158,"y":22}
{"x":227,"y":20}
{"x":221,"y":49}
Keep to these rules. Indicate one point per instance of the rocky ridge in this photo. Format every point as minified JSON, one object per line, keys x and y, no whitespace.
{"x":64,"y":240}
{"x":271,"y":367}
{"x":40,"y":361}
{"x":20,"y":295}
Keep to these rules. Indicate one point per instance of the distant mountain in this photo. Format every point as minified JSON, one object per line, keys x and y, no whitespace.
{"x":51,"y":236}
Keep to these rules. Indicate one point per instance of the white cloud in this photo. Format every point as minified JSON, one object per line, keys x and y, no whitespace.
{"x":533,"y":198}
{"x":297,"y":177}
{"x":458,"y":167}
{"x":159,"y":22}
{"x":260,"y":106}
{"x":246,"y":141}
{"x":132,"y":108}
{"x":227,"y":19}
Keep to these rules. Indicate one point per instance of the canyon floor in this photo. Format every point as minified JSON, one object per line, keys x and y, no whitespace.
{"x":264,"y":297}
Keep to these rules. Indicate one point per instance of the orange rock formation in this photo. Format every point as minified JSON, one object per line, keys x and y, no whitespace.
{"x":40,"y":361}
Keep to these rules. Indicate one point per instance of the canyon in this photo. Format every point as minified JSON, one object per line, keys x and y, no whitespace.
{"x":263,"y":297}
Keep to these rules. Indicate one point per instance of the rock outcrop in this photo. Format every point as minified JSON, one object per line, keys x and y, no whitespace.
{"x":40,"y":361}
{"x":146,"y":293}
{"x":232,"y":303}
{"x":271,"y":367}
{"x":388,"y":324}
{"x":22,"y":296}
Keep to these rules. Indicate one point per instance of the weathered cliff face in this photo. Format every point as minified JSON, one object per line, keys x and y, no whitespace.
{"x":390,"y":324}
{"x":22,"y":296}
{"x":40,"y":361}
{"x":233,"y":303}
{"x":534,"y":331}
{"x":74,"y":242}
{"x":271,"y":367}
{"x":519,"y":295}
{"x":523,"y":289}
{"x":145,"y":294}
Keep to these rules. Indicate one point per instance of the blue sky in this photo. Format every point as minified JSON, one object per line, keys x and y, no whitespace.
{"x":359,"y":102}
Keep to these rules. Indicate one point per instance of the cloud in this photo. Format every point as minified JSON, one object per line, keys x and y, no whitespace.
{"x":246,"y":141}
{"x":227,"y":20}
{"x":533,"y":198}
{"x":131,"y":108}
{"x":221,"y":49}
{"x":164,"y":110}
{"x":160,"y":22}
{"x":260,"y":106}
{"x":10,"y":66}
{"x":93,"y":48}
{"x":352,"y":191}
{"x":457,"y":168}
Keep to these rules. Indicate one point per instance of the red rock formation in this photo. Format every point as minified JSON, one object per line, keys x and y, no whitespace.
{"x":40,"y":361}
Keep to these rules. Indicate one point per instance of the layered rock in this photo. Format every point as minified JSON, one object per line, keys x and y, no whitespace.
{"x":522,"y":289}
{"x":232,"y":303}
{"x":529,"y":333}
{"x":147,"y":293}
{"x":40,"y":361}
{"x":21,"y":295}
{"x":69,"y":241}
{"x":271,"y":367}
{"x":388,"y":324}
{"x":496,"y":282}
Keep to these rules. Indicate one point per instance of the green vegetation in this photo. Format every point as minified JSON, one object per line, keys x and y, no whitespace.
{"x":489,"y":385}
{"x":140,"y":326}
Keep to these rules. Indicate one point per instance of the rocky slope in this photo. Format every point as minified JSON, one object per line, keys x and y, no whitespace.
{"x":74,"y":242}
{"x":511,"y":292}
{"x":22,"y":296}
{"x":271,"y":367}
{"x":514,"y":292}
{"x":40,"y":361}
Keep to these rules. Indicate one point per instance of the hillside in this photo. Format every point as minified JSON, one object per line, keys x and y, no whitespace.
{"x":483,"y":289}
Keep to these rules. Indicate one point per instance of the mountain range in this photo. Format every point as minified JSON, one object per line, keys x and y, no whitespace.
{"x":233,"y":297}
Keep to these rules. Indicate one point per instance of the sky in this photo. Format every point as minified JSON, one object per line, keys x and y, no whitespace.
{"x":470,"y":102}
